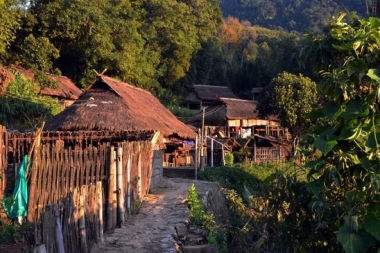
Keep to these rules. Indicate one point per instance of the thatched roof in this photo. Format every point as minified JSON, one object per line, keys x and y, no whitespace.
{"x":5,"y":78}
{"x":66,"y":88}
{"x":227,"y":109}
{"x":109,"y":104}
{"x":208,"y":93}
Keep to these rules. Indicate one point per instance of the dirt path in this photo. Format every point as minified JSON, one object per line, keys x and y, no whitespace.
{"x":151,"y":230}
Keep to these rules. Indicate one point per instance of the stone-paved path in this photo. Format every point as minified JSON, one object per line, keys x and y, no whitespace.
{"x":152,"y":229}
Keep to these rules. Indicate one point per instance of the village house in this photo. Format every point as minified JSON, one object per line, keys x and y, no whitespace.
{"x":66,"y":93}
{"x":202,"y":96}
{"x":234,"y":118}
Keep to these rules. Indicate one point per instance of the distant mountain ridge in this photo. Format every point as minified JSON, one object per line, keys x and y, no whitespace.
{"x":294,"y":15}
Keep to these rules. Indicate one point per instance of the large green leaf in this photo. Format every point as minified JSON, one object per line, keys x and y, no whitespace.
{"x":316,"y":187}
{"x":350,"y":130}
{"x":354,"y":242}
{"x":375,"y":22}
{"x":374,"y":74}
{"x":325,"y":143}
{"x":355,"y":195}
{"x":355,"y":109}
{"x":373,"y":140}
{"x":358,"y":65}
{"x":332,"y":110}
{"x":372,"y":224}
{"x":315,"y":114}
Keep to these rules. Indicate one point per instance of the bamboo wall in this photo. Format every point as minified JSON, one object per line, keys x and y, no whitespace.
{"x":84,"y":170}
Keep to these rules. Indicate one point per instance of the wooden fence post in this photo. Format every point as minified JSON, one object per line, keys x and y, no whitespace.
{"x":82,"y":225}
{"x":139,"y":178}
{"x":33,"y":178}
{"x":120,"y":188}
{"x":129,"y":194}
{"x":111,"y":219}
{"x":100,"y":208}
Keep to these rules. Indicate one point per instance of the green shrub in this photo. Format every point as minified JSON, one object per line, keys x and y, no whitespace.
{"x":229,"y":159}
{"x":200,"y":218}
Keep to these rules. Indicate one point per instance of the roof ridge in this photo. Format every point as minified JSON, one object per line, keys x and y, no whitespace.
{"x":124,"y":83}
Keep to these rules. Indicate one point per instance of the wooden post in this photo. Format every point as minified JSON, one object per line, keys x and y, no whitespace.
{"x":139,"y":175}
{"x":100,"y":208}
{"x":58,"y":231}
{"x":254,"y":149}
{"x":196,"y":157}
{"x":212,"y":152}
{"x":111,"y":216}
{"x":82,"y":225}
{"x":129,"y":183}
{"x":33,"y":179}
{"x":202,"y":141}
{"x":224,"y":162}
{"x":120,"y":190}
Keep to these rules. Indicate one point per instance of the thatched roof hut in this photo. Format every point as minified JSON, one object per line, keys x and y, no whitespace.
{"x":204,"y":95}
{"x":112,"y":105}
{"x":66,"y":89}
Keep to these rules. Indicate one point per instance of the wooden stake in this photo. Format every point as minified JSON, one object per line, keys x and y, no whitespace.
{"x":37,"y":142}
{"x":100,"y":208}
{"x":120,"y":192}
{"x":110,"y":211}
{"x":82,"y":225}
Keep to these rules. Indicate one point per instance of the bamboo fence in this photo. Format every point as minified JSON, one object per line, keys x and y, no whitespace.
{"x":96,"y":181}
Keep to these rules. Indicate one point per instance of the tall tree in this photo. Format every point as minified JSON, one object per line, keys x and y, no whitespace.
{"x":149,"y":43}
{"x":9,"y":16}
{"x":290,"y":98}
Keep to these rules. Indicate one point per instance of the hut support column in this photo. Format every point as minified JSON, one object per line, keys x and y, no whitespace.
{"x":120,"y":190}
{"x":129,"y":184}
{"x":111,"y":222}
{"x":139,"y":175}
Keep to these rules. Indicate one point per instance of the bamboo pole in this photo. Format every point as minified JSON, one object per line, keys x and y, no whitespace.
{"x":31,"y":204}
{"x":129,"y":183}
{"x":111,"y":220}
{"x":114,"y":192}
{"x":100,"y":208}
{"x":120,"y":191}
{"x":82,"y":225}
{"x":139,"y":178}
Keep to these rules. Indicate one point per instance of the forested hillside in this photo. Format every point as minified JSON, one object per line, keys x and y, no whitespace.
{"x":165,"y":46}
{"x":294,"y":15}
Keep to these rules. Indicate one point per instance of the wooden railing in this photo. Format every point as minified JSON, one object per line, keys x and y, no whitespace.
{"x":267,"y":155}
